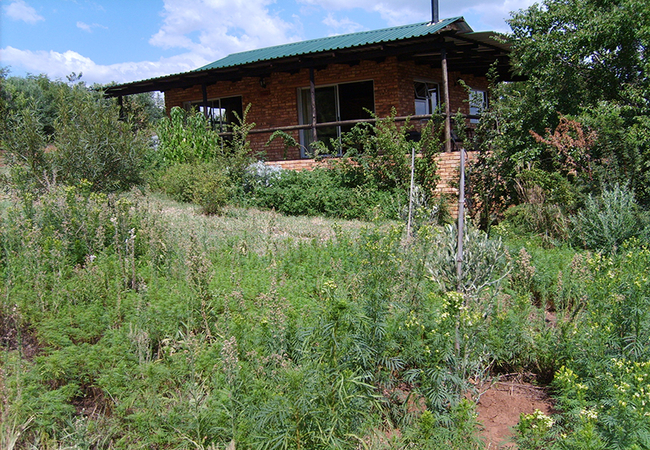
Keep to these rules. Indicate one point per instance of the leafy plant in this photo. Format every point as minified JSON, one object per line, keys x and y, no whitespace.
{"x":484,"y":262}
{"x":187,"y":138}
{"x":205,"y":184}
{"x":607,"y":221}
{"x":90,"y":143}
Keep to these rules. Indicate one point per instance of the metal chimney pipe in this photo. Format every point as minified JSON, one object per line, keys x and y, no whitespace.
{"x":435,"y":15}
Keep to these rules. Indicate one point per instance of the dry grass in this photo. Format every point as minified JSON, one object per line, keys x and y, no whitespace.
{"x":258,"y":228}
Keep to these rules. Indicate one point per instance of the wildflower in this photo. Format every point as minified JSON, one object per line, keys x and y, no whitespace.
{"x":589,"y":414}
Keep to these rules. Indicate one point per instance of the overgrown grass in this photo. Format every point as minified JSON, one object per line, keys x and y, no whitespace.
{"x":131,"y":321}
{"x":151,"y":325}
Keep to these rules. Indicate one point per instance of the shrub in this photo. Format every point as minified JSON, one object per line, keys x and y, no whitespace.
{"x":205,"y":184}
{"x":324,"y":191}
{"x":92,"y":143}
{"x":380,"y":153}
{"x":186,"y":138}
{"x":484,"y":260}
{"x":212,"y":190}
{"x":259,"y":175}
{"x":24,"y":143}
{"x":607,"y":221}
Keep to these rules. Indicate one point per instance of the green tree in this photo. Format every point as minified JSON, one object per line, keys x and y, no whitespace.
{"x":88,"y":139}
{"x":586,"y":61}
{"x":92,"y":143}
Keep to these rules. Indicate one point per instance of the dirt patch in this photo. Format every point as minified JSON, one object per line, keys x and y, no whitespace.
{"x":500,"y":406}
{"x":14,"y":336}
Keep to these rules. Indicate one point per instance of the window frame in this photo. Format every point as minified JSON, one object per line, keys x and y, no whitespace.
{"x":220,"y":124}
{"x":431,"y":107}
{"x":304,"y":112}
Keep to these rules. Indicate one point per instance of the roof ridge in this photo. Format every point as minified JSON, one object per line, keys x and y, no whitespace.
{"x":265,"y":50}
{"x":335,"y":36}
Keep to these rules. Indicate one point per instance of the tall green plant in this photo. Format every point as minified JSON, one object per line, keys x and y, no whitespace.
{"x":187,"y":138}
{"x":381,"y":153}
{"x":607,"y":221}
{"x":92,"y":143}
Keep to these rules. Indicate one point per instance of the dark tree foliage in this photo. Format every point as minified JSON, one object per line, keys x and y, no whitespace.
{"x":586,"y":61}
{"x":37,"y":90}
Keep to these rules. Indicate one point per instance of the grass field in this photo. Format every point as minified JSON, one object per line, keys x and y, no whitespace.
{"x":135,"y":322}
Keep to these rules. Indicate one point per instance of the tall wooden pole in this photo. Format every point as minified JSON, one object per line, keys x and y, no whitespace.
{"x":410,"y":219}
{"x":312,"y":93}
{"x":120,"y":102}
{"x":461,"y":232}
{"x":445,"y":87}
{"x":461,"y":221}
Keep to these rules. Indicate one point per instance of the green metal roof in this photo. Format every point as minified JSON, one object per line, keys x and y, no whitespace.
{"x":402,"y":40}
{"x":344,"y":41}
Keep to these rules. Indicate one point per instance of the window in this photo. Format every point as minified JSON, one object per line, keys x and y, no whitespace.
{"x":347,"y":101}
{"x":220,"y":111}
{"x":477,"y":104}
{"x":426,"y":97}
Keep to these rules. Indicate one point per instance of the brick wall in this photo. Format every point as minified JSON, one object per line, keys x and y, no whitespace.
{"x":276,"y":105}
{"x":298,"y":164}
{"x":448,"y":170}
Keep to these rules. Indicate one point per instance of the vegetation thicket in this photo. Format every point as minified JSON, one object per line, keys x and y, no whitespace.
{"x":579,"y":124}
{"x":55,"y":132}
{"x":130,"y":320}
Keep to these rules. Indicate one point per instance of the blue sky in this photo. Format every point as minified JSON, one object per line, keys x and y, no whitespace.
{"x":127,"y":40}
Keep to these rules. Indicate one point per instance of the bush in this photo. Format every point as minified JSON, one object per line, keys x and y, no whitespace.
{"x":186,"y":138}
{"x":205,"y":184}
{"x":381,"y":153}
{"x":485,"y":261}
{"x":259,"y":175}
{"x":607,"y":221}
{"x":90,"y":143}
{"x":324,"y":191}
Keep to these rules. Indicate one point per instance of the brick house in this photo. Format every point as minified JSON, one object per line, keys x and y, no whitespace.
{"x":319,"y":88}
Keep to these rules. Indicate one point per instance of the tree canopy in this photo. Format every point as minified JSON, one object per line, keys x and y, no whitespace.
{"x":587,"y":67}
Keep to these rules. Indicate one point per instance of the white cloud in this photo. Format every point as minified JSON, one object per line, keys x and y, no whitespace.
{"x":216,"y":28}
{"x":490,"y":13}
{"x":84,"y":26}
{"x":19,"y":10}
{"x":342,"y":26}
{"x":89,"y":28}
{"x":59,"y":65}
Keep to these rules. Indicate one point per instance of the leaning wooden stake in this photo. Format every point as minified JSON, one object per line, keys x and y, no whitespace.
{"x":461,"y":230}
{"x":408,"y":223}
{"x":461,"y":221}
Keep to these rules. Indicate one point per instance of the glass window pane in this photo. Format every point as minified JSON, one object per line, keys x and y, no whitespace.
{"x":326,"y":108}
{"x":356,"y":99}
{"x":477,"y":103}
{"x":421,"y":107}
{"x":426,"y":97}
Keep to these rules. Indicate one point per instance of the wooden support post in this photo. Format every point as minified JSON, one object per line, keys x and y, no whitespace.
{"x":204,"y":89}
{"x":445,"y":87}
{"x":312,"y":93}
{"x":120,"y":102}
{"x":461,"y":233}
{"x":411,"y":189}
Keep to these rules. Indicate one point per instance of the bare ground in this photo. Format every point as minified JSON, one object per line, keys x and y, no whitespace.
{"x":500,"y":407}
